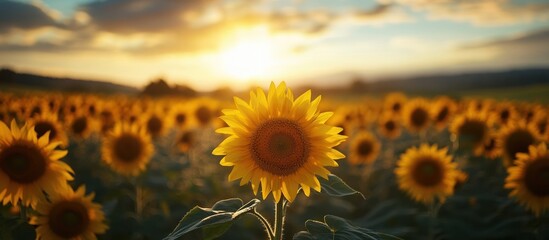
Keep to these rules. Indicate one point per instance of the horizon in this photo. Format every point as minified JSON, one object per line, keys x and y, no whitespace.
{"x":211,"y":45}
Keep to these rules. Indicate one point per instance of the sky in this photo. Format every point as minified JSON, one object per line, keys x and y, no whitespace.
{"x":207,"y":44}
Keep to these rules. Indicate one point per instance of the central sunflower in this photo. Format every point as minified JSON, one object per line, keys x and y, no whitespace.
{"x":279,"y":143}
{"x":427,"y":173}
{"x":127,"y":149}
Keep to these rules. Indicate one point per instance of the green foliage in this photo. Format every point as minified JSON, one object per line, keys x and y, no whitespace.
{"x":336,"y":187}
{"x":214,"y":221}
{"x":337,"y":228}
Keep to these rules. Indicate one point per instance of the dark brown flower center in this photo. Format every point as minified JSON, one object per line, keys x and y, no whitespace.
{"x":536,"y":177}
{"x":396,"y":107}
{"x":203,"y":114}
{"x":23,"y":162}
{"x":490,"y":145}
{"x":186,"y":138}
{"x":471,"y":132}
{"x":427,"y":172}
{"x":154,"y":125}
{"x":504,"y":115}
{"x":365,"y":148}
{"x":42,"y":127}
{"x":390,"y":125}
{"x":68,"y":219}
{"x":442,"y":114}
{"x":127,"y":148}
{"x":180,"y":118}
{"x":280,"y":147}
{"x":79,"y":125}
{"x":518,"y":142}
{"x":419,"y":117}
{"x":35,"y":111}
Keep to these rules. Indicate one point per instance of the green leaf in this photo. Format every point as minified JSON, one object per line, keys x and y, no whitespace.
{"x":215,"y":231}
{"x":212,"y":219}
{"x":336,"y":187}
{"x":338,"y":228}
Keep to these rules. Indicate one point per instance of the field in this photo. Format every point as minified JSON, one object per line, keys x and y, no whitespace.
{"x":468,"y":165}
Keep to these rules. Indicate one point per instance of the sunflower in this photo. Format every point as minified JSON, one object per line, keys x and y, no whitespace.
{"x":505,"y":112}
{"x":416,"y":115}
{"x":471,"y":128}
{"x":528,"y":179}
{"x":489,"y":147}
{"x":279,"y":143}
{"x":394,"y":103}
{"x":204,"y":111}
{"x":389,"y":126}
{"x":180,"y":116}
{"x":127,"y":149}
{"x":29,"y":165}
{"x":155,"y":125}
{"x":80,"y":126}
{"x":108,"y":118}
{"x":69,"y":215}
{"x":515,"y":138}
{"x":442,"y":112}
{"x":186,"y":140}
{"x":48,"y":122}
{"x":364,"y":148}
{"x":542,"y":126}
{"x":426,"y":173}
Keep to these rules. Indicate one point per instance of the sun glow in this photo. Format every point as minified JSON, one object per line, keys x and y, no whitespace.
{"x":248,"y":60}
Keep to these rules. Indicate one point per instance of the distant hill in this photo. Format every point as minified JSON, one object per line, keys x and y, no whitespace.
{"x":444,"y":84}
{"x":423,"y":85}
{"x":11,"y":78}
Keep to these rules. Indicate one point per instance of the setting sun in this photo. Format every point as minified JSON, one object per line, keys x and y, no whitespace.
{"x":248,"y":59}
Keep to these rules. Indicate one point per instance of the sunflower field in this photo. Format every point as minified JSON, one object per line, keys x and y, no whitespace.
{"x":272,"y":165}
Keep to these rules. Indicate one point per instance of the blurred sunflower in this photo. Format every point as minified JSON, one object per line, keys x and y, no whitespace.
{"x":505,"y":112}
{"x":69,"y":215}
{"x":108,"y":118}
{"x":29,"y":166}
{"x":471,"y":128}
{"x":515,"y":138}
{"x":542,"y":126}
{"x":48,"y":122}
{"x":528,"y":179}
{"x":278,"y":142}
{"x":394,"y":102}
{"x":204,"y":111}
{"x":127,"y":149}
{"x":389,"y":126}
{"x":442,"y":112}
{"x":489,"y":148}
{"x":364,"y":148}
{"x":186,"y":140}
{"x":80,"y":126}
{"x":155,"y":124}
{"x":427,"y":173}
{"x":180,"y":116}
{"x":416,"y":115}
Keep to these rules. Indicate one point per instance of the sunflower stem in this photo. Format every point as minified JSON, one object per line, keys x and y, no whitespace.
{"x":23,"y":212}
{"x":434,"y":207}
{"x":265,"y":223}
{"x":280,"y":212}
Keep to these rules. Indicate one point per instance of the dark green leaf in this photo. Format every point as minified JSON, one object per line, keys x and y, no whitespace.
{"x":224,"y":211}
{"x":336,"y":187}
{"x":338,"y":228}
{"x":215,"y":231}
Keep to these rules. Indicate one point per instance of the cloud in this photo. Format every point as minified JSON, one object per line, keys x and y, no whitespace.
{"x":480,"y":12}
{"x":526,"y":48}
{"x":17,"y":15}
{"x":150,"y":27}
